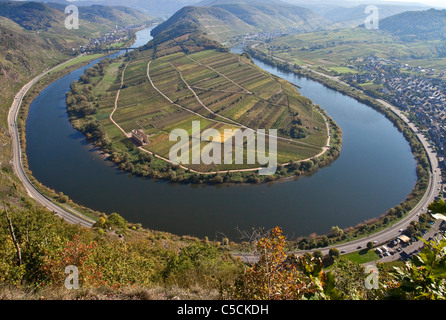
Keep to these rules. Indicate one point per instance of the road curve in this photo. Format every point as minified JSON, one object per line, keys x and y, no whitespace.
{"x":71,"y":216}
{"x":429,"y":196}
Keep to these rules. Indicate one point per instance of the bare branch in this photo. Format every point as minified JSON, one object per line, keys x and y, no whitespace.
{"x":14,"y":239}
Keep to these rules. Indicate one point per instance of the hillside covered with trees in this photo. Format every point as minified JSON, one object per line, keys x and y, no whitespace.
{"x":119,"y":260}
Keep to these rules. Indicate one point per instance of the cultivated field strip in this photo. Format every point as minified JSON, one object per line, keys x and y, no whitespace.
{"x":220,"y":90}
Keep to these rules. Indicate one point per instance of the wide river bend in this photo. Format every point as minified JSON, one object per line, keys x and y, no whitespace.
{"x":374,"y":172}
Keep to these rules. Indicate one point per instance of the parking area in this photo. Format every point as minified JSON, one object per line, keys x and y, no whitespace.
{"x":403,"y":247}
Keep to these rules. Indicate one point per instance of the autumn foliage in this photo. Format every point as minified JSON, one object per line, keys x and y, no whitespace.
{"x":73,"y":253}
{"x":278,"y":275}
{"x":145,"y":259}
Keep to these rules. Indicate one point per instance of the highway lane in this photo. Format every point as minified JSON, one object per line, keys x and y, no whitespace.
{"x":70,"y":215}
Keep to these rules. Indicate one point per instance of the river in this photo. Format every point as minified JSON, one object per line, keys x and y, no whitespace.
{"x":374,"y":172}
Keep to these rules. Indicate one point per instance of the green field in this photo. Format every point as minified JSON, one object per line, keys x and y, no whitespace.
{"x":80,"y":59}
{"x":362,"y":256}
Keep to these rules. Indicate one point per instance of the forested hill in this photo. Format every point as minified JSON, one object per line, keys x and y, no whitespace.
{"x":429,"y":24}
{"x":119,"y":15}
{"x":33,"y":38}
{"x":30,"y":15}
{"x":33,"y":35}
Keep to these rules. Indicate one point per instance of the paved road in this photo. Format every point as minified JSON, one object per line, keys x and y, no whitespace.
{"x":395,"y":230}
{"x":69,"y":215}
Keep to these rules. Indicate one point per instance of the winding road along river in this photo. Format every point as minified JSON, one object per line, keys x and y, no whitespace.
{"x":375,"y":172}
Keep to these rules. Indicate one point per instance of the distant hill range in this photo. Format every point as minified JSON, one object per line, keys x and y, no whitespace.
{"x":120,"y":15}
{"x":428,"y":24}
{"x":222,"y":19}
{"x":271,"y":15}
{"x":159,"y":8}
{"x":342,"y":16}
{"x":37,"y":16}
{"x":263,"y":14}
{"x":33,"y":37}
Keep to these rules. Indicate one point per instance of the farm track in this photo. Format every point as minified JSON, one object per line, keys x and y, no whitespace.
{"x":221,"y":74}
{"x":324,"y":149}
{"x":128,"y":135}
{"x":234,"y":122}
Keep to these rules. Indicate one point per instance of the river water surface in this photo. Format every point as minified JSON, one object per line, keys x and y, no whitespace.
{"x":374,"y":172}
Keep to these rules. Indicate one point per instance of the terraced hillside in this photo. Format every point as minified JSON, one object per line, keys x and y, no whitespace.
{"x":222,"y":20}
{"x":218,"y":23}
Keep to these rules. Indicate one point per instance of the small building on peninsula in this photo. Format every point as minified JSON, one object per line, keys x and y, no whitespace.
{"x":139,"y":137}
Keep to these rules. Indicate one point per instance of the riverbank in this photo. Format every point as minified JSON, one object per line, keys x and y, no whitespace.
{"x":59,"y":203}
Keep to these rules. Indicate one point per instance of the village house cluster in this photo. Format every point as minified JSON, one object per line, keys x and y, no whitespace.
{"x":119,"y":34}
{"x":260,"y":36}
{"x":419,"y":91}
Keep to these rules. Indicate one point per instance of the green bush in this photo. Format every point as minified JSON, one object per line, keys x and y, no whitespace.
{"x":117,"y":221}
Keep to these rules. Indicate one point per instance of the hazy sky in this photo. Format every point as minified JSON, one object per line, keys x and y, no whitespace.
{"x":436,"y":3}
